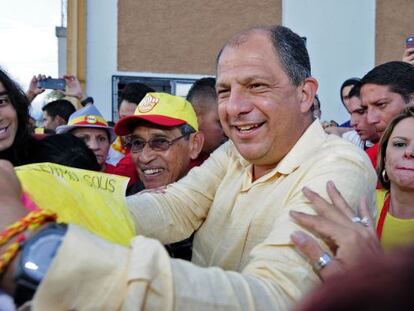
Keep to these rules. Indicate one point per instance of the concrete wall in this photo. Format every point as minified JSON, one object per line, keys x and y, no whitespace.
{"x":174,"y":39}
{"x":395,"y":21}
{"x":341,"y":42}
{"x":181,"y":38}
{"x":184,"y":36}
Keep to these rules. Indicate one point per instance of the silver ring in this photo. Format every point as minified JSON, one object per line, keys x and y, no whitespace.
{"x":323,"y":261}
{"x":356,"y":219}
{"x":365,"y":221}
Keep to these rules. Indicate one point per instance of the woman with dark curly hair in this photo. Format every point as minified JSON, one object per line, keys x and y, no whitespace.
{"x":19,"y":147}
{"x":15,"y":139}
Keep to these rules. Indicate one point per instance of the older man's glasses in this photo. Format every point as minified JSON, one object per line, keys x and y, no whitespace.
{"x":156,"y":144}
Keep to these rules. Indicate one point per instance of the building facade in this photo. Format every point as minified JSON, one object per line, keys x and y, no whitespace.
{"x":169,"y":43}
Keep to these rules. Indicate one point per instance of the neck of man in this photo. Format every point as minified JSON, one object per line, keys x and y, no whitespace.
{"x":401,"y":203}
{"x":261,"y":170}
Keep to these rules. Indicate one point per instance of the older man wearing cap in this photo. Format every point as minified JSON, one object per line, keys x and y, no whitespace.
{"x":89,"y":125}
{"x":164,"y":138}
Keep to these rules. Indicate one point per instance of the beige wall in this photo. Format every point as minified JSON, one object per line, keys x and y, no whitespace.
{"x":184,"y":36}
{"x":394,"y":21}
{"x":76,"y":43}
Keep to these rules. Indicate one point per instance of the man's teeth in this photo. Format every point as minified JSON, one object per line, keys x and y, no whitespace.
{"x":2,"y":130}
{"x":152,"y":171}
{"x":247,"y":127}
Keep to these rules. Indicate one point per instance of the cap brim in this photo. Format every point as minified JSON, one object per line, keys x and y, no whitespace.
{"x":126,"y":125}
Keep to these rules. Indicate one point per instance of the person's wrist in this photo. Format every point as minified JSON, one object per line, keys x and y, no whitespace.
{"x":30,"y":95}
{"x":7,"y":283}
{"x":79,"y":96}
{"x":7,"y":278}
{"x":12,"y":210}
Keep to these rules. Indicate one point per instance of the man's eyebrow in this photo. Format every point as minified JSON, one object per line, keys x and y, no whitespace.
{"x":159,"y":135}
{"x":3,"y":93}
{"x":154,"y":135}
{"x":382,"y":99}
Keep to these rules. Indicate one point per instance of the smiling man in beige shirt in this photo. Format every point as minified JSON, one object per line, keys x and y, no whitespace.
{"x":238,"y":201}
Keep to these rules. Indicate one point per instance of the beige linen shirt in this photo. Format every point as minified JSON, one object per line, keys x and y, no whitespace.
{"x":243,"y":258}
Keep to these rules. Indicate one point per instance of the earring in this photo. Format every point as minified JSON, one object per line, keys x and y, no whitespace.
{"x":385,"y":176}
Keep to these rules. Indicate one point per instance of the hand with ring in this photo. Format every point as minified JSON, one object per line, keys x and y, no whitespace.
{"x":363,"y":221}
{"x":351,"y":238}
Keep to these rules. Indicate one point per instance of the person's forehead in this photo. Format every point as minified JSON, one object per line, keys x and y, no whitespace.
{"x":404,"y":128}
{"x":3,"y":90}
{"x":371,"y":93}
{"x":205,"y":102}
{"x":127,"y":104}
{"x":375,"y":89}
{"x":354,"y":103}
{"x":256,"y":46}
{"x":91,"y":131}
{"x":145,"y":130}
{"x":347,"y":89}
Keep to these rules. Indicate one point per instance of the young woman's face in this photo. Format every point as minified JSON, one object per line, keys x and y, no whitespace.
{"x":8,"y":120}
{"x":399,"y":156}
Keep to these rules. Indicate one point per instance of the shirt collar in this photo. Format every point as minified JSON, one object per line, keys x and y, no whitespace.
{"x":307,"y":144}
{"x":310,"y":141}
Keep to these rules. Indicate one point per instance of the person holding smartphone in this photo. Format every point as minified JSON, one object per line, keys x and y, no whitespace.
{"x":408,"y":55}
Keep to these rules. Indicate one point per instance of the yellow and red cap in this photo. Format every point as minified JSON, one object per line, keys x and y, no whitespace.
{"x":160,"y":109}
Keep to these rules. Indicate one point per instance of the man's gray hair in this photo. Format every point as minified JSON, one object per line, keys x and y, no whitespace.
{"x":289,"y":47}
{"x":292,"y":52}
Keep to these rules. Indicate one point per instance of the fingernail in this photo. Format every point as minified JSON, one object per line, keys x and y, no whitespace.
{"x":331,"y":183}
{"x":299,"y":237}
{"x":306,"y":189}
{"x":295,"y":213}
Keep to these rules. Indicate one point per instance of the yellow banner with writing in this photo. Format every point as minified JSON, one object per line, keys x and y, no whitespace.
{"x":90,"y":199}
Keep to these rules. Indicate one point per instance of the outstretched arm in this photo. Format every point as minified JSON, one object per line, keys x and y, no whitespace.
{"x":10,"y":192}
{"x":11,"y":210}
{"x":351,"y":237}
{"x":73,"y":87}
{"x":408,"y":56}
{"x":34,"y":90}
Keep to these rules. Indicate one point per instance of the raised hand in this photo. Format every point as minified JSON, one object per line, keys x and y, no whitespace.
{"x":351,"y":237}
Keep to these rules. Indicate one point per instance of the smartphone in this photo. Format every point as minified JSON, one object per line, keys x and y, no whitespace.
{"x":54,"y":84}
{"x":409,"y":42}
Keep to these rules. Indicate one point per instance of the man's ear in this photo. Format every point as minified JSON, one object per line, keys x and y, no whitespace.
{"x":196,"y":144}
{"x":309,"y":88}
{"x":59,"y":120}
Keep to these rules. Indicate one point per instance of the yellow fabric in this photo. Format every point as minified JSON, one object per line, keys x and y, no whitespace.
{"x":118,"y":146}
{"x":243,"y":258}
{"x":93,"y":200}
{"x":396,"y":231}
{"x":167,"y":105}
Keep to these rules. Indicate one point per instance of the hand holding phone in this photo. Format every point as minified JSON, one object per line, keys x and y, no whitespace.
{"x":409,"y":42}
{"x":54,"y":84}
{"x":408,"y":55}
